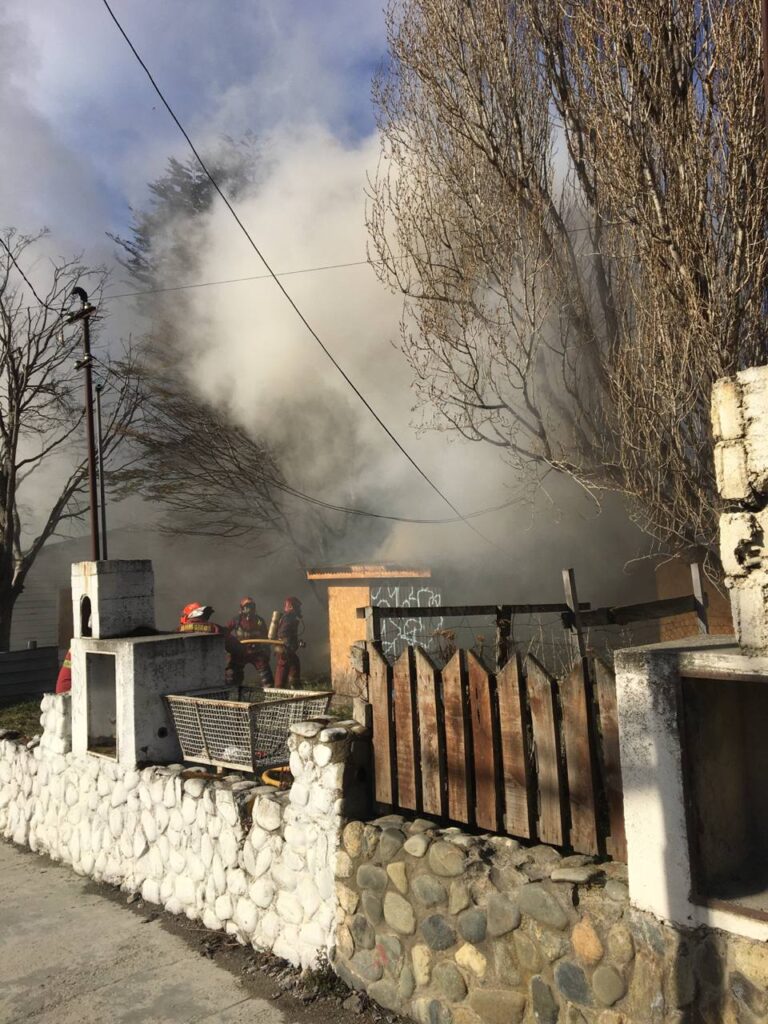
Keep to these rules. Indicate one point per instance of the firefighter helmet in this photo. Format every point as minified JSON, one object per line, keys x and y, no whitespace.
{"x":187,"y":611}
{"x":200,"y":612}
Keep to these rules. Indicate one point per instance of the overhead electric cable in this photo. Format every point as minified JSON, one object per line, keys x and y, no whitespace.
{"x":229,"y":280}
{"x":250,"y":277}
{"x":238,"y":280}
{"x":281,"y":485}
{"x":392,"y":518}
{"x":282,"y":288}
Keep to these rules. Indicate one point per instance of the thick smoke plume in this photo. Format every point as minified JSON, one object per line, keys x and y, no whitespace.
{"x":247,"y":351}
{"x":286,"y":77}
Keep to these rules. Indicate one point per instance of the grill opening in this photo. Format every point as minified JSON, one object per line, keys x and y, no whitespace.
{"x":724,"y":727}
{"x":85,"y":616}
{"x":101,"y":692}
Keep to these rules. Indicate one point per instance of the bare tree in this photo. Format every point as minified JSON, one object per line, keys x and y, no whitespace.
{"x":572,"y":199}
{"x":215,"y":479}
{"x":43,"y":469}
{"x":212,"y":478}
{"x":210,"y":475}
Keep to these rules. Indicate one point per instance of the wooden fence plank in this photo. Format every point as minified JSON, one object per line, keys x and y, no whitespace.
{"x":402,"y":679}
{"x":514,"y":753}
{"x":605,"y":686}
{"x":581,"y":783}
{"x":483,"y":745}
{"x":379,"y":695}
{"x":429,"y":737}
{"x":547,"y":755}
{"x":456,"y":725}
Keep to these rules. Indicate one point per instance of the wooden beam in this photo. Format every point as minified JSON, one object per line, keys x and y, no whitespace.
{"x":701,"y":600}
{"x":372,"y":625}
{"x":503,"y":630}
{"x":450,"y":611}
{"x":572,"y":600}
{"x":625,"y":614}
{"x":379,"y":571}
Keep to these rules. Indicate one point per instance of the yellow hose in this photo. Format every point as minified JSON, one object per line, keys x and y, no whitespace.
{"x":275,"y":776}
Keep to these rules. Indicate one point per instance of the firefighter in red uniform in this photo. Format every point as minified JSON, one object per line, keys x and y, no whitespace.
{"x":196,"y":619}
{"x":64,"y":680}
{"x":288,"y":669}
{"x":248,"y":625}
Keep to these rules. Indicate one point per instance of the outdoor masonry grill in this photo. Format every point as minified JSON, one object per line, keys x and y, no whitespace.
{"x":119,"y":680}
{"x":693,"y":715}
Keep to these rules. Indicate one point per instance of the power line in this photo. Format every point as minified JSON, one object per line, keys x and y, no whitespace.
{"x":230,"y":280}
{"x":280,"y":285}
{"x":392,"y":518}
{"x":239,"y":280}
{"x":284,"y":273}
{"x":332,"y":506}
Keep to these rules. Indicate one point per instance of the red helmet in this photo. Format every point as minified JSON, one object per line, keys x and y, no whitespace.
{"x":187,"y":611}
{"x":292,"y":604}
{"x":247,"y":601}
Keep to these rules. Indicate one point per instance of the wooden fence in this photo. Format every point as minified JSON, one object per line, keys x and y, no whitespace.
{"x":515,"y":752}
{"x":27,"y":674}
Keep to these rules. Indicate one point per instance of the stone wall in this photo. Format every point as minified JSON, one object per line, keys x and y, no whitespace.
{"x":740,"y":429}
{"x":447,"y":927}
{"x":226,"y":851}
{"x":438,"y":925}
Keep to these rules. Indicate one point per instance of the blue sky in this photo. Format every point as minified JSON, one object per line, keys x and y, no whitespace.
{"x":88,"y":130}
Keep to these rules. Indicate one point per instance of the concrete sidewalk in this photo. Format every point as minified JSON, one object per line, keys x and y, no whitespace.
{"x":71,"y":956}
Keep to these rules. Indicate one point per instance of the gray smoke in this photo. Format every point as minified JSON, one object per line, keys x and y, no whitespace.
{"x":245,"y":349}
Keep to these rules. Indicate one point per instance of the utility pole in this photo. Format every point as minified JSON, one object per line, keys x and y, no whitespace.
{"x":83,"y":314}
{"x":102,"y":490}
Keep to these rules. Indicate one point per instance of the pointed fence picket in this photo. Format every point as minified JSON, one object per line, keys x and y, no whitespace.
{"x":515,"y":752}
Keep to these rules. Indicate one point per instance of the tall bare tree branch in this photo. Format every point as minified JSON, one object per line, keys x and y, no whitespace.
{"x":572,"y":200}
{"x":42,"y":464}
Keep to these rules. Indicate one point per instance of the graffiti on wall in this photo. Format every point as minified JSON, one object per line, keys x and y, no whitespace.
{"x":397,"y":634}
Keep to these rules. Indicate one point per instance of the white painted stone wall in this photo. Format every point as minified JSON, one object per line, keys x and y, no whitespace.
{"x":226,"y":851}
{"x":655,"y":816}
{"x":740,"y":429}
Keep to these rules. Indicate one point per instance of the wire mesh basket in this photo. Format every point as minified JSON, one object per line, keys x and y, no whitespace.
{"x":248,"y":733}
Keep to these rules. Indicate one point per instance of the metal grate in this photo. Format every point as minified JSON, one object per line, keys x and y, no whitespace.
{"x":245,"y":729}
